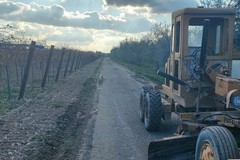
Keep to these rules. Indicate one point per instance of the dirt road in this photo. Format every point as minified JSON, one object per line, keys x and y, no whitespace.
{"x":117,"y":130}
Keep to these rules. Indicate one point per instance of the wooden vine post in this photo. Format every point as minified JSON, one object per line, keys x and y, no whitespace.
{"x":60,"y":64}
{"x":27,"y":69}
{"x":47,"y":67}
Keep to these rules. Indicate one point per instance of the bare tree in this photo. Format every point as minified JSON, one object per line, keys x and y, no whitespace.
{"x":206,"y":3}
{"x":159,"y":38}
{"x":219,"y":3}
{"x":6,"y":33}
{"x":11,"y":34}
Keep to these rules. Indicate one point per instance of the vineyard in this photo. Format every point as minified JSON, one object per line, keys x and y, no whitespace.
{"x":27,"y":69}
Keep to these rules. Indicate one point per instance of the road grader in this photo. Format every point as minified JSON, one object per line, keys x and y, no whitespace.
{"x":200,"y":88}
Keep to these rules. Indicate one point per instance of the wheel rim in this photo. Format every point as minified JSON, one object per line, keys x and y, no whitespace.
{"x":207,"y":152}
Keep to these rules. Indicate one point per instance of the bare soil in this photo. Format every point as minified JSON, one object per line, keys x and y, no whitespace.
{"x":51,"y":126}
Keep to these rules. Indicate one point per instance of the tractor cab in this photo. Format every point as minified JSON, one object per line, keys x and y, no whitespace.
{"x":188,"y":42}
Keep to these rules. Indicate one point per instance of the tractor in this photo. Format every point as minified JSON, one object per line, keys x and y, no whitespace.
{"x":201,"y":88}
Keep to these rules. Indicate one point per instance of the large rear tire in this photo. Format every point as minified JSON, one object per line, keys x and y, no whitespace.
{"x":216,"y":143}
{"x":144,"y":91}
{"x":153,"y":111}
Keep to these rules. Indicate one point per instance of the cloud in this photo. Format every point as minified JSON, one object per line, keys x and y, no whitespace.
{"x":127,"y":3}
{"x":157,"y":6}
{"x":56,"y":15}
{"x":82,"y":5}
{"x":59,"y":36}
{"x":105,"y":41}
{"x":96,"y":25}
{"x":42,"y":14}
{"x":8,"y":7}
{"x":73,"y":35}
{"x":84,"y":39}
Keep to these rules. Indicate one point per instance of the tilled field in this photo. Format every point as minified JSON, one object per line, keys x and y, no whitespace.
{"x":51,"y":126}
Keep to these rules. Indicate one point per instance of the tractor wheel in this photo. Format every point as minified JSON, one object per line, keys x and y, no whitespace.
{"x":216,"y":143}
{"x":153,"y":111}
{"x":145,"y":89}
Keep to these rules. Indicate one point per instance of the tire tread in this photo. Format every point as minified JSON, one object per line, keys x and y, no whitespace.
{"x":221,"y":139}
{"x":155,"y":111}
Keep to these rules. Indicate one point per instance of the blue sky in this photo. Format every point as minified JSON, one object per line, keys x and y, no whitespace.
{"x":96,"y":25}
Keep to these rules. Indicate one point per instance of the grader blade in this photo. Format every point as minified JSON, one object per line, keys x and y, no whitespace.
{"x":173,"y":148}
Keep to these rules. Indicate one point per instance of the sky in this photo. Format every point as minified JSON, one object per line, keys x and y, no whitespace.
{"x":90,"y":25}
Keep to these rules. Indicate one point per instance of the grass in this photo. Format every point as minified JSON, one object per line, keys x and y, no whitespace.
{"x":59,"y":104}
{"x":5,"y":105}
{"x":9,"y":102}
{"x":90,"y":84}
{"x":6,"y":101}
{"x":146,"y":71}
{"x":70,"y":142}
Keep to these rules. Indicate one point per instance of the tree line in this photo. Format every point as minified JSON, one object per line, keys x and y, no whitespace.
{"x":151,"y":50}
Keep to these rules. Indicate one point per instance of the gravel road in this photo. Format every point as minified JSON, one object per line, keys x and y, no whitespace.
{"x":117,"y":131}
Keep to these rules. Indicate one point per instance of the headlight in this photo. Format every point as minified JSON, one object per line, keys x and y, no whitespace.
{"x":235,"y":100}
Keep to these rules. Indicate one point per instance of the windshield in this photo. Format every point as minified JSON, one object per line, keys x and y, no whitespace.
{"x":217,"y":38}
{"x":195,"y":36}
